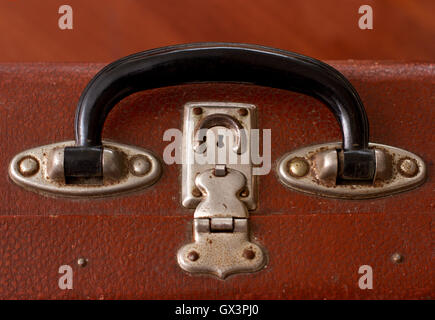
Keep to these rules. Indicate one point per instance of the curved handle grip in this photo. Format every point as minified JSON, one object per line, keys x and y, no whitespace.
{"x":221,"y":62}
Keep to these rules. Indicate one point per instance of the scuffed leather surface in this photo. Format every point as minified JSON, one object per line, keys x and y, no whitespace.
{"x":315,"y":256}
{"x":315,"y":245}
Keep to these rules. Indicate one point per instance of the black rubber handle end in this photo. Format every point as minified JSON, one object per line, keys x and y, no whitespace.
{"x":83,"y":163}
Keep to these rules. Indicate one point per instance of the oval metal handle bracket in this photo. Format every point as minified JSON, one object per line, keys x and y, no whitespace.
{"x":316,"y":170}
{"x":125,"y":169}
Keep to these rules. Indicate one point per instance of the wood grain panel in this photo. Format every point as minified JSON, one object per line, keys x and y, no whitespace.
{"x":105,"y":30}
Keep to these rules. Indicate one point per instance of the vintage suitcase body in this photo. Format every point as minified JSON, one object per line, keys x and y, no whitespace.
{"x":128,"y":244}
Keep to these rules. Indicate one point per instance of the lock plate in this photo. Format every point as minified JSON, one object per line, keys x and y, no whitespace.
{"x":194,"y":115}
{"x":222,"y":189}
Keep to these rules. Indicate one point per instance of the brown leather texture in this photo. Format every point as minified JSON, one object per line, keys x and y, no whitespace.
{"x":315,"y":245}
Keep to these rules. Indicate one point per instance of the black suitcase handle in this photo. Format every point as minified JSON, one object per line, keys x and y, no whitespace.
{"x":218,"y":62}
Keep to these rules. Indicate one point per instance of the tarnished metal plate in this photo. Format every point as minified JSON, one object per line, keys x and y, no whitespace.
{"x":221,"y":235}
{"x":221,"y":200}
{"x":125,"y":169}
{"x":407,"y":172}
{"x":191,"y":168}
{"x":221,"y":253}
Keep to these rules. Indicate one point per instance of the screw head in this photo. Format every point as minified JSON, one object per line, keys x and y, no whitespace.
{"x":396,"y":258}
{"x":139,"y":165}
{"x":82,"y":262}
{"x":193,"y":256}
{"x":248,"y":254}
{"x":196,"y":192}
{"x":298,"y":167}
{"x":407,"y":167}
{"x":244,"y":193}
{"x":243,"y":112}
{"x":28,"y":166}
{"x":197,"y":111}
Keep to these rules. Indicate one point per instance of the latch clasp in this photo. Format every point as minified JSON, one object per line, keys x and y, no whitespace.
{"x":225,"y":191}
{"x":221,"y":230}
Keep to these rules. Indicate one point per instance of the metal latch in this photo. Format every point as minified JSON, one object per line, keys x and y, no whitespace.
{"x":221,"y":192}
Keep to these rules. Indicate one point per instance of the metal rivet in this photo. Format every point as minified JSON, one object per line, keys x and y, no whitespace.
{"x":243,"y":112}
{"x":298,"y":167}
{"x":197,"y":111}
{"x":28,"y":166}
{"x":397,"y":258}
{"x":193,"y":256}
{"x":244,"y":193}
{"x":196,"y":192}
{"x":82,"y":262}
{"x":248,"y":254}
{"x":139,"y":165}
{"x":407,"y":167}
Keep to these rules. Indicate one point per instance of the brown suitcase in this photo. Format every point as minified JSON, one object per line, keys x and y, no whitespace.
{"x":126,"y":246}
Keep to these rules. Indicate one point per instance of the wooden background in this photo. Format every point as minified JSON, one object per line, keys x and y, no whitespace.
{"x":109,"y":29}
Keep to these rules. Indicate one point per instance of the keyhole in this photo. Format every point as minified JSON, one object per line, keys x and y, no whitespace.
{"x":220,"y":143}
